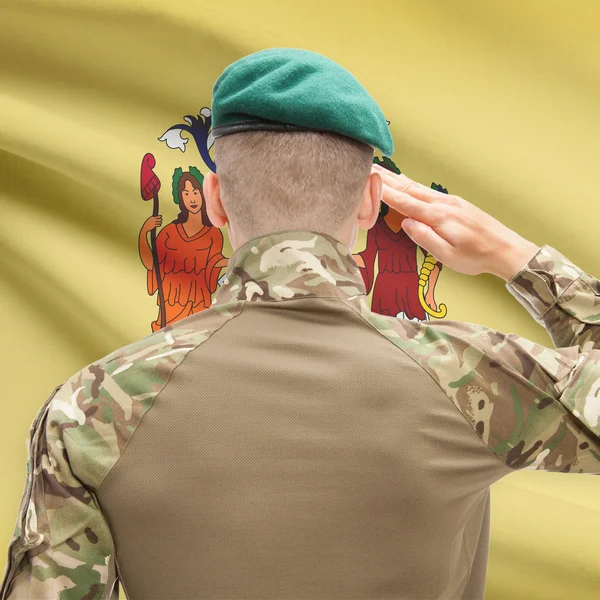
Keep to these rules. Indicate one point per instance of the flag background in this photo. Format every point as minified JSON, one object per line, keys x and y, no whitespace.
{"x":498,"y":102}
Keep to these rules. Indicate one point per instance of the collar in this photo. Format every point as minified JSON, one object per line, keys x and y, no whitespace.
{"x":290,"y":264}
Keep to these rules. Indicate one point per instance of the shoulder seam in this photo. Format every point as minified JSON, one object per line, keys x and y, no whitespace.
{"x":436,"y":383}
{"x":161,"y":391}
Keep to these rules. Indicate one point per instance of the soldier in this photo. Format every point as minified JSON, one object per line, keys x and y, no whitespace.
{"x":288,"y":442}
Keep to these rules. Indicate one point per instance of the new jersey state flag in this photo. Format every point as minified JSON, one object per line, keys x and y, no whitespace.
{"x":105,"y":138}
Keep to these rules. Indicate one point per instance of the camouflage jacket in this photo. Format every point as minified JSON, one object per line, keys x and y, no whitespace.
{"x":534,"y":407}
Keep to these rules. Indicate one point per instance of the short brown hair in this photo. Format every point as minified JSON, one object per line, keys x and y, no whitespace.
{"x":275,"y":181}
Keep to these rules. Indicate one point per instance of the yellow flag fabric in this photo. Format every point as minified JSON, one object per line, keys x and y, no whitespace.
{"x":495,"y":101}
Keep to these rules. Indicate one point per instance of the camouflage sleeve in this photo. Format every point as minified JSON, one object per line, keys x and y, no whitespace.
{"x":561,"y":297}
{"x":62,"y":546}
{"x":534,"y":407}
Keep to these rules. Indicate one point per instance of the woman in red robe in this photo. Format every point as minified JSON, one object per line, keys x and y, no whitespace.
{"x":396,"y":290}
{"x":189,"y":252}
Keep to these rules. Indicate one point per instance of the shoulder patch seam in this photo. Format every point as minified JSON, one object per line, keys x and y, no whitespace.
{"x":433,"y":379}
{"x":161,"y":391}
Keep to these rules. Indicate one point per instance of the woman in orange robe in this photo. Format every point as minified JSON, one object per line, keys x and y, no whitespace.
{"x":189,"y":252}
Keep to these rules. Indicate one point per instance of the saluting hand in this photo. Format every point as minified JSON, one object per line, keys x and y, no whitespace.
{"x":454,"y":231}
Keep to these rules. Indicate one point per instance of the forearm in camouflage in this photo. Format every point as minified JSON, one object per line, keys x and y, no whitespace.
{"x":62,"y":546}
{"x":561,"y":297}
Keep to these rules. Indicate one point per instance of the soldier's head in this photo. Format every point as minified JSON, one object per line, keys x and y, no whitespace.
{"x":275,"y":181}
{"x":294,"y":139}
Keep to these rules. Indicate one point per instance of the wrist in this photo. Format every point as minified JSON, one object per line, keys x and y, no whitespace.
{"x":513,"y":258}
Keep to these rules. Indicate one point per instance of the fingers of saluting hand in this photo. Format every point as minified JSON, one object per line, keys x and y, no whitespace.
{"x":402,"y":183}
{"x":411,"y":198}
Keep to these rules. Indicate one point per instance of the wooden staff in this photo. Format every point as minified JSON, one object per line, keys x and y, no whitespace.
{"x":149,"y":185}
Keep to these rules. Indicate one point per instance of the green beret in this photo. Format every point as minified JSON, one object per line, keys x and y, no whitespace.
{"x":288,"y":89}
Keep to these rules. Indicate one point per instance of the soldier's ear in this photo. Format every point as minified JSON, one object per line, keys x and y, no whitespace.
{"x":369,"y":206}
{"x":214,"y":206}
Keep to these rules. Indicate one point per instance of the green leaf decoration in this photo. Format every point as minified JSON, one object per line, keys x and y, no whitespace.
{"x":387,"y":163}
{"x":196,"y":173}
{"x":177,"y":173}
